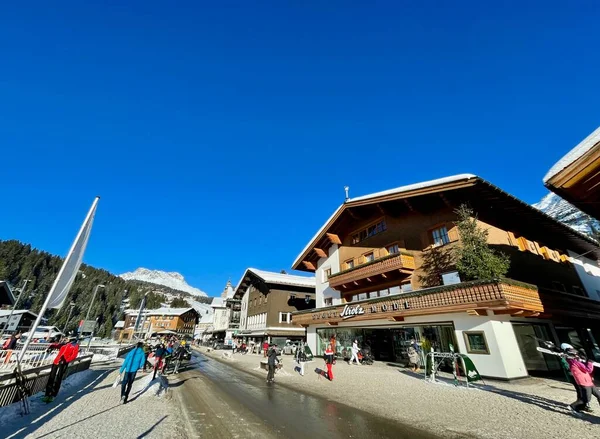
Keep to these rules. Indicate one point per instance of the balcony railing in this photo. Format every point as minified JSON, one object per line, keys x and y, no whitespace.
{"x":378,"y":267}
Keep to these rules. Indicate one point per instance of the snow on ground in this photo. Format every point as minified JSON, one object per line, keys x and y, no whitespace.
{"x":88,"y":406}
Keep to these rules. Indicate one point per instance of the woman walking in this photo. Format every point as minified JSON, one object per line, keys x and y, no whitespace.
{"x":329,"y":362}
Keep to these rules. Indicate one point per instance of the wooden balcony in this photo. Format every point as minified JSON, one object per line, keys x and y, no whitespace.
{"x":373,"y":273}
{"x":476,"y":298}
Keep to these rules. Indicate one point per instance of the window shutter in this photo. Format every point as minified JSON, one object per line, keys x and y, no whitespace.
{"x":452,"y":232}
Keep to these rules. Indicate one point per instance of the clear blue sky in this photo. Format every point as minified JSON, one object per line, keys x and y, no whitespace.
{"x":220,"y":137}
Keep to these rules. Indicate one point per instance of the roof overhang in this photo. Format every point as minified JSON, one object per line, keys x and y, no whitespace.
{"x":576,"y":177}
{"x":492,"y":205}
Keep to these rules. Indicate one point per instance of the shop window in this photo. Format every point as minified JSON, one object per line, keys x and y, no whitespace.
{"x":440,"y":236}
{"x":349,"y":264}
{"x":406,"y":287}
{"x":292,"y":297}
{"x":283,"y":317}
{"x":372,"y":230}
{"x":476,"y":342}
{"x":578,"y":291}
{"x":328,"y":301}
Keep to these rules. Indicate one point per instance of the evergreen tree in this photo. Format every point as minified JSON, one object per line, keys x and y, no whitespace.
{"x":179,"y":303}
{"x":474,"y":257}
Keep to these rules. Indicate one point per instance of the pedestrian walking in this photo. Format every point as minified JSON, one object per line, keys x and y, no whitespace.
{"x":354,"y":350}
{"x":66,"y":354}
{"x":581,"y":369}
{"x":159,"y":353}
{"x":265,"y":347}
{"x":147,"y":351}
{"x":329,"y":357}
{"x":414,"y":355}
{"x":134,"y":361}
{"x":272,"y":363}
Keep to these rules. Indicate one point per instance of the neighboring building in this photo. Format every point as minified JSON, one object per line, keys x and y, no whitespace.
{"x":576,"y":177}
{"x":385,"y":273}
{"x":119,"y":326}
{"x":221,"y":331}
{"x":20,"y":321}
{"x":203,"y":329}
{"x":154,"y":321}
{"x":267,"y":302}
{"x":7,"y":297}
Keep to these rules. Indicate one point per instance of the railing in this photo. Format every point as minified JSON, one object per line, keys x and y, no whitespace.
{"x":35,"y":356}
{"x":374,"y":268}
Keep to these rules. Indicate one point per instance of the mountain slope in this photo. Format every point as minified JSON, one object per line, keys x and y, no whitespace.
{"x":172,"y":280}
{"x":566,"y":213}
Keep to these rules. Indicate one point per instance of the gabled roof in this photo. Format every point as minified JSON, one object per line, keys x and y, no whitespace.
{"x":575,"y":154}
{"x":6,"y":312}
{"x":407,"y":189}
{"x":217,"y":302}
{"x":492,"y":204}
{"x":120,"y":324}
{"x":284,"y":279}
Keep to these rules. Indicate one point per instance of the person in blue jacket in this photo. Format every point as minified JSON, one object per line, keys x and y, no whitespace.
{"x":134,"y":361}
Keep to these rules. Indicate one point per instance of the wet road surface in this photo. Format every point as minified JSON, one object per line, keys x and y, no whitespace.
{"x":219,"y":401}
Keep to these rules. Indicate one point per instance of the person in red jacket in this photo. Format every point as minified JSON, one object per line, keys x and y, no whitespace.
{"x":67,"y":353}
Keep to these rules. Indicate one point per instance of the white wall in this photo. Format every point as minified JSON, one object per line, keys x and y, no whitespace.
{"x":14,"y":321}
{"x":323,"y":289}
{"x":589,"y":273}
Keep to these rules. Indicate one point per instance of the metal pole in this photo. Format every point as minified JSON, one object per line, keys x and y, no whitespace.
{"x":15,"y":306}
{"x":92,"y":336}
{"x":92,"y":302}
{"x":72,"y":305}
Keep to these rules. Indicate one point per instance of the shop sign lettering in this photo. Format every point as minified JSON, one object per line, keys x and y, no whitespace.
{"x":352,"y":311}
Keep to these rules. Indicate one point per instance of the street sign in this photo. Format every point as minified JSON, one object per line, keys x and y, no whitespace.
{"x":87,"y":326}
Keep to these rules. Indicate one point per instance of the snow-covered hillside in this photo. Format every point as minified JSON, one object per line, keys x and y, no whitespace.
{"x":566,"y":213}
{"x":172,"y":280}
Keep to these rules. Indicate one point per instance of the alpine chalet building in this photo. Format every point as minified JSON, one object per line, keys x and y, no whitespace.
{"x":385,"y":274}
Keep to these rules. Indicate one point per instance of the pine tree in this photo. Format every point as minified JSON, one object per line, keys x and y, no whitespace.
{"x":474,"y":257}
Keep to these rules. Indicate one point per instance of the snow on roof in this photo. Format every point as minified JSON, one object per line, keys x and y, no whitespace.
{"x":206,"y":318}
{"x":217,"y":302}
{"x":575,"y":154}
{"x":398,"y":190}
{"x":120,"y":324}
{"x":6,"y":312}
{"x":164,"y":311}
{"x":284,"y":279}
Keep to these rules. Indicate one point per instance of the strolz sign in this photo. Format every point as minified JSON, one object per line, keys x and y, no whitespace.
{"x":352,"y":311}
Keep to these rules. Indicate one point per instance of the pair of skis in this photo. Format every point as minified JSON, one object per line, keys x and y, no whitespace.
{"x":560,"y":354}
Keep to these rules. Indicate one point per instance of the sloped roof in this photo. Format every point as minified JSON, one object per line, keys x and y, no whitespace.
{"x":576,"y":153}
{"x":120,"y":324}
{"x":217,"y":302}
{"x":164,"y":311}
{"x":6,"y":312}
{"x":270,"y":277}
{"x":490,"y":202}
{"x":375,"y":196}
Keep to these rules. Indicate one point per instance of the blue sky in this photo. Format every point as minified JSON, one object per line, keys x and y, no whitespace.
{"x":221,"y":136}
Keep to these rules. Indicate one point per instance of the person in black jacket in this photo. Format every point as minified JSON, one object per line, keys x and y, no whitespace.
{"x":272,"y":362}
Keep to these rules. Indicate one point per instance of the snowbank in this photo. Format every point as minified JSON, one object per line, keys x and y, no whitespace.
{"x":9,"y":413}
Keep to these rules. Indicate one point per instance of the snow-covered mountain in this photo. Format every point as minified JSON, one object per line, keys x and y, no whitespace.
{"x":172,"y":280}
{"x":566,"y":213}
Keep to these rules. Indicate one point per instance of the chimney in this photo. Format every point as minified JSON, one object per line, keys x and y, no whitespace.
{"x":347,"y":190}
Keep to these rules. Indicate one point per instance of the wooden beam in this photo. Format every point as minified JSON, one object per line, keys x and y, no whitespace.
{"x":353,"y":215}
{"x":383,"y":275}
{"x":334,"y":238}
{"x":309,"y":265}
{"x":320,"y":252}
{"x":381,"y":209}
{"x":477,"y":312}
{"x":332,"y":323}
{"x":396,"y":319}
{"x":445,"y":200}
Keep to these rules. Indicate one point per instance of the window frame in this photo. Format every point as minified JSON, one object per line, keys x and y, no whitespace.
{"x":326,"y":274}
{"x":349,"y":264}
{"x":393,"y":244}
{"x":374,"y":228}
{"x":369,"y":253}
{"x":432,"y":233}
{"x":470,"y":349}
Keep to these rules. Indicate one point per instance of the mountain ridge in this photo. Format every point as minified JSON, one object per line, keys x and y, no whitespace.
{"x":172,"y":280}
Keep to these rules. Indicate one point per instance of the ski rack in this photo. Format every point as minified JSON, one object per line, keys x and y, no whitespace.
{"x":436,"y":365}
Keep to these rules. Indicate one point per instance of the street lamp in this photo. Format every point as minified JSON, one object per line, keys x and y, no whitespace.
{"x":72,"y":305}
{"x":15,"y":305}
{"x":93,"y":298}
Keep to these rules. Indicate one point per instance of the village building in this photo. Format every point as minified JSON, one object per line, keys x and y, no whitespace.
{"x":160,"y":321}
{"x":7,"y":297}
{"x":223,"y":321}
{"x":576,"y":176}
{"x":268,"y":300}
{"x":20,"y":321}
{"x":385,"y":275}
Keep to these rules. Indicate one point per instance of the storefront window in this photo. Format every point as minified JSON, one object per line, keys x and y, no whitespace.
{"x":527,"y":335}
{"x":389,"y":344}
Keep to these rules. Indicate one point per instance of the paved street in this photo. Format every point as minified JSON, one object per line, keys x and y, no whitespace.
{"x":218,"y":401}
